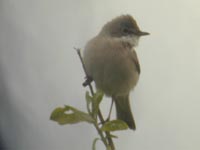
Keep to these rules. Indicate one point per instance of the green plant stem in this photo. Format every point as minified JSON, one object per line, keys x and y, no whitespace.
{"x":101,"y":134}
{"x":106,"y":140}
{"x":108,"y":137}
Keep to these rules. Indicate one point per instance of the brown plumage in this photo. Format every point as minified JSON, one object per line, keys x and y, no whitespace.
{"x":112,"y":62}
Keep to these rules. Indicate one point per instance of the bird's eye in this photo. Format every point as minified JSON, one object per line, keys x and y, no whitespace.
{"x":125,"y":30}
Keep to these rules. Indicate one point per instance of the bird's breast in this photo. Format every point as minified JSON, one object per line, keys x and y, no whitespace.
{"x":110,"y":64}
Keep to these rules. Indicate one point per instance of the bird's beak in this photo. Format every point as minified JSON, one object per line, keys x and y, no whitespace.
{"x":141,"y":33}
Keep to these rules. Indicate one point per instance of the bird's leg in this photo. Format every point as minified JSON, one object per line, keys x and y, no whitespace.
{"x":109,"y":115}
{"x":108,"y":119}
{"x":87,"y":81}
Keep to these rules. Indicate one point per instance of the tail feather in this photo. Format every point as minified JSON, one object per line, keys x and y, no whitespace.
{"x":123,"y":110}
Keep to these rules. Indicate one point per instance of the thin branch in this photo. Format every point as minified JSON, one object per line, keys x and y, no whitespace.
{"x":109,"y":141}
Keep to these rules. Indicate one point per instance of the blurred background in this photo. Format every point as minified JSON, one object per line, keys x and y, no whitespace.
{"x":40,"y":70}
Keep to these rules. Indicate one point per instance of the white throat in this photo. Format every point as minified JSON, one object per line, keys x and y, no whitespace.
{"x":133,"y":40}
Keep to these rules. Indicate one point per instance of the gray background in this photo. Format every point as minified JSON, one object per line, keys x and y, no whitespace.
{"x":39,"y":70}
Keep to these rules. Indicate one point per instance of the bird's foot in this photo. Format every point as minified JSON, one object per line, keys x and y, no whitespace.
{"x":87,"y":81}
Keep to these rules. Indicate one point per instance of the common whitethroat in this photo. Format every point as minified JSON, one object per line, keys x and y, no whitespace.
{"x":111,"y":61}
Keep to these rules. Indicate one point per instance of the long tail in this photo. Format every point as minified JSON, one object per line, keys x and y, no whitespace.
{"x":123,"y":110}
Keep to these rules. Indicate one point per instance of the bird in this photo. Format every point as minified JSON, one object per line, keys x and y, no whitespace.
{"x":112,"y":63}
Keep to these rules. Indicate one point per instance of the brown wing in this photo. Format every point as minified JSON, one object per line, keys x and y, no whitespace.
{"x":135,"y":60}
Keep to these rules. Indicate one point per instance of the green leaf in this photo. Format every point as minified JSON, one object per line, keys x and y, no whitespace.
{"x":89,"y":100}
{"x":114,"y":125}
{"x":97,"y":98}
{"x":70,"y":115}
{"x":113,"y":136}
{"x":108,"y":148}
{"x":94,"y":143}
